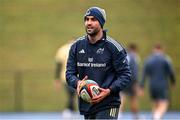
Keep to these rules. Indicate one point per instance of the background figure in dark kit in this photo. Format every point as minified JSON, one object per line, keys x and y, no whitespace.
{"x":98,"y":57}
{"x":60,"y":80}
{"x":132,"y":90}
{"x":158,"y":68}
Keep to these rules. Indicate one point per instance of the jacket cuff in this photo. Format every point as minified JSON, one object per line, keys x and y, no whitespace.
{"x":112,"y":90}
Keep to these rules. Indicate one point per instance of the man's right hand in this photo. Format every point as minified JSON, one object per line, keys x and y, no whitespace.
{"x":80,"y":84}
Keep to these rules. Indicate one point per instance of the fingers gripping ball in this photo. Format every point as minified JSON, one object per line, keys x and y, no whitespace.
{"x":88,"y":90}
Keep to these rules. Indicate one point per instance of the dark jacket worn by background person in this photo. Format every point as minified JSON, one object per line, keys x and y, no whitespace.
{"x":158,"y":68}
{"x":104,"y":62}
{"x":133,"y":60}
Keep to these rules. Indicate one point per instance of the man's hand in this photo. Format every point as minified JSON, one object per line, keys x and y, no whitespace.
{"x":80,"y":83}
{"x":141,"y":92}
{"x":103,"y":93}
{"x":57,"y":84}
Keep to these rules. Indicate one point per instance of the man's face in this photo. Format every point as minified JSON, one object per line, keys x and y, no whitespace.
{"x":92,"y":25}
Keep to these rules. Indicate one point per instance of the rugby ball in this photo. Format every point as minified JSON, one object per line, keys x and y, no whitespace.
{"x":88,"y":90}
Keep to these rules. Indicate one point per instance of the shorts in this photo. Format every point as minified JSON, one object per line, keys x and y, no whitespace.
{"x":109,"y":113}
{"x":159,"y":94}
{"x":130,"y":90}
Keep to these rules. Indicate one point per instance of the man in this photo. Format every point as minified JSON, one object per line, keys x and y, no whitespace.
{"x":158,"y":68}
{"x":60,"y":69}
{"x":132,"y":90}
{"x":98,"y":57}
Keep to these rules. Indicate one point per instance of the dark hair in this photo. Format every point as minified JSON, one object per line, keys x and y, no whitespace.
{"x":158,"y":46}
{"x":132,"y":46}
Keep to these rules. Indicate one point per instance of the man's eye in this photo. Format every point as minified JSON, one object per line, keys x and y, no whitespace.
{"x":94,"y":19}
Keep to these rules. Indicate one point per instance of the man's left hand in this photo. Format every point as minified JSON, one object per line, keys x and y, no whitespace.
{"x":103,"y":93}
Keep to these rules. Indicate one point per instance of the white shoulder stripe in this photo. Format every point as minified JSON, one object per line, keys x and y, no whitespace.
{"x":115,"y":43}
{"x":80,"y":38}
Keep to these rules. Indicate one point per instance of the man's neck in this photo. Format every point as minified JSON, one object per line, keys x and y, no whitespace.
{"x":94,"y":39}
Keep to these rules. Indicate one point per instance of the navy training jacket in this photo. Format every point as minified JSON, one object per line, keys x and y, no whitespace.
{"x":104,"y":62}
{"x":159,"y":70}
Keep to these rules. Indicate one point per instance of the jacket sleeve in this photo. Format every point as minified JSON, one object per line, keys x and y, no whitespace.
{"x":71,"y":68}
{"x":134,"y":68}
{"x":122,"y":69}
{"x":145,"y":74}
{"x":58,"y":68}
{"x":170,"y":71}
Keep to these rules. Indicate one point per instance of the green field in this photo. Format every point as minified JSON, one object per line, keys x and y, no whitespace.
{"x":32,"y":30}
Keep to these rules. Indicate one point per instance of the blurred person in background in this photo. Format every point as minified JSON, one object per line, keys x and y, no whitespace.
{"x":132,"y":90}
{"x":60,"y":80}
{"x":98,"y":57}
{"x":158,"y":68}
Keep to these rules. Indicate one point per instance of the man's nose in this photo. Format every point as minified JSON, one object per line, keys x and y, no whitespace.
{"x":89,"y":22}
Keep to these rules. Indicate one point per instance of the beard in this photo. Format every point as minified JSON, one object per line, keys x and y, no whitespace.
{"x":92,"y":32}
